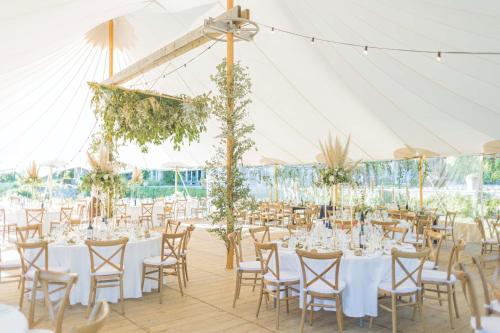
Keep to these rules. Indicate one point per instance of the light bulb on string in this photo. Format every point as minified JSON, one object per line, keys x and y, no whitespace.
{"x":365,"y":51}
{"x":438,"y":57}
{"x":272,"y":30}
{"x":312,"y":40}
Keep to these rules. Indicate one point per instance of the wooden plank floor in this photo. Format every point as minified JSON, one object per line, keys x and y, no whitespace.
{"x":207,"y":304}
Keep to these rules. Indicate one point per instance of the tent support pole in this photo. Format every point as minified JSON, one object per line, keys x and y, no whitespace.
{"x":276,"y":194}
{"x":176,"y":182}
{"x":111,"y":41}
{"x":421,"y":180}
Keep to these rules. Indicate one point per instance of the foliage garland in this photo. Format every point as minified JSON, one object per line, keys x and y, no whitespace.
{"x":232,"y":125}
{"x":144,"y":117}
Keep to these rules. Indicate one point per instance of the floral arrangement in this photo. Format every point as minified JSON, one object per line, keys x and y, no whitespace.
{"x":32,"y":177}
{"x":137,"y":178}
{"x":339,"y":167}
{"x":102,"y":175}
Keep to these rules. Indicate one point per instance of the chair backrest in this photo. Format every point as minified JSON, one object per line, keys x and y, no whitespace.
{"x":329,"y":275}
{"x":491,"y":288}
{"x":120,"y":210}
{"x":180,"y":208}
{"x":28,"y":232}
{"x":412,"y":275}
{"x":172,"y":226}
{"x":34,"y":215}
{"x":147,"y":209}
{"x":65,"y":214}
{"x":384,"y":224}
{"x":97,"y":319}
{"x":345,"y":225}
{"x":455,"y":255}
{"x":472,"y":301}
{"x":480,"y":226}
{"x":34,"y":256}
{"x":449,"y":219}
{"x":434,"y":240}
{"x":172,"y":245}
{"x":392,"y":231}
{"x":235,"y":240}
{"x":268,"y":258}
{"x":100,"y":259}
{"x":260,"y":234}
{"x":187,"y":237}
{"x":62,"y":282}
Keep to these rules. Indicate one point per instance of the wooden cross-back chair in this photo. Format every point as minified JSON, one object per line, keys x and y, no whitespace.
{"x":491,"y":286}
{"x":418,"y":239}
{"x":29,"y":232}
{"x":64,"y":217}
{"x":201,"y":208}
{"x":121,"y":215}
{"x":167,"y":213}
{"x":106,"y":270}
{"x":488,"y":244}
{"x":392,"y":231}
{"x":260,"y":234}
{"x":449,"y":226}
{"x":274,"y":282}
{"x":243,"y":268}
{"x":407,"y":283}
{"x":146,"y":217}
{"x":180,"y":209}
{"x":293,"y":227}
{"x":344,"y":225}
{"x":63,"y":282}
{"x":434,"y":241}
{"x":184,"y":253}
{"x":168,"y":263}
{"x":171,"y":226}
{"x":34,"y":215}
{"x":96,"y":320}
{"x":445,"y":279}
{"x":34,"y":256}
{"x":321,"y":285}
{"x":285,"y":214}
{"x":384,"y":223}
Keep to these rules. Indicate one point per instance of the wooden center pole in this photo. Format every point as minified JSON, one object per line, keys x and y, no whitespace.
{"x":109,"y":139}
{"x":421,"y":180}
{"x":111,"y":42}
{"x":230,"y":140}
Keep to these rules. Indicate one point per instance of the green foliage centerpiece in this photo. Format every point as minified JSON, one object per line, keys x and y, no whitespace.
{"x":32,"y":178}
{"x":229,"y":191}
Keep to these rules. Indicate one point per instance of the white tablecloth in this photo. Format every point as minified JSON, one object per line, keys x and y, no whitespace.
{"x":362,"y":276}
{"x":76,"y":258}
{"x":12,"y":320}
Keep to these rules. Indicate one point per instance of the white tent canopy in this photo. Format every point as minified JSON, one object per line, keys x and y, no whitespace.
{"x":385,"y":100}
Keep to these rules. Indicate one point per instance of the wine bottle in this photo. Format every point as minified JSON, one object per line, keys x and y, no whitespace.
{"x":90,"y":231}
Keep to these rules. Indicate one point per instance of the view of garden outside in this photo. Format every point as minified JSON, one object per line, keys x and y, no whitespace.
{"x":467,"y":184}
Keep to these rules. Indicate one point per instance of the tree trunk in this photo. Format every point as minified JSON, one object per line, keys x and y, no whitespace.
{"x":229,"y":257}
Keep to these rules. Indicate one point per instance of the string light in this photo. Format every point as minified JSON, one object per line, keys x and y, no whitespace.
{"x":438,"y":57}
{"x":383,"y":48}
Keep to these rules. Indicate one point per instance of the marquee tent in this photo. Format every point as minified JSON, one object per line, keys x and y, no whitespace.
{"x":386,"y":100}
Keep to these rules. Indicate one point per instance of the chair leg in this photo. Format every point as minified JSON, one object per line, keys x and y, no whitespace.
{"x":143,"y":277}
{"x":160,"y":282}
{"x":186,"y":268}
{"x":311,"y":312}
{"x":278,"y":299}
{"x":92,"y":293}
{"x":236,"y":291}
{"x":260,"y":299}
{"x":338,"y":309}
{"x":455,"y":301}
{"x":439,"y":295}
{"x":21,"y":296}
{"x":183,"y":266}
{"x":178,"y":272}
{"x":122,"y":299}
{"x":450,"y":305}
{"x":286,"y":299}
{"x":254,"y":282}
{"x":394,"y":314}
{"x":304,"y":310}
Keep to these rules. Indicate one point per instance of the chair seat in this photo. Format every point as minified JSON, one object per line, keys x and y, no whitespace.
{"x":253,"y":266}
{"x":285,"y":276}
{"x":489,"y":324}
{"x":495,"y":306}
{"x":31,"y":273}
{"x":10,"y":264}
{"x":406,"y":287}
{"x":107,"y":270}
{"x":430,"y":265}
{"x":321,"y":287}
{"x":442,"y":227}
{"x":433,"y":276}
{"x":40,"y":330}
{"x":412,"y":240}
{"x":490,"y":241}
{"x":156,"y":261}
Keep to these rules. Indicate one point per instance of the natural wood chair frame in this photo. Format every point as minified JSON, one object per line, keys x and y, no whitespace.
{"x":434,"y":241}
{"x":448,"y":230}
{"x":30,"y":262}
{"x":184,"y":253}
{"x":490,"y":289}
{"x":293,"y":227}
{"x":121,"y":215}
{"x":171,"y":248}
{"x":28,"y":232}
{"x":383,"y":224}
{"x":167,"y":212}
{"x":201,"y":208}
{"x":335,"y":258}
{"x":390,"y":232}
{"x":270,"y":288}
{"x":64,"y":217}
{"x":180,"y":209}
{"x":486,"y":245}
{"x":112,"y":280}
{"x":265,"y":237}
{"x":171,"y":226}
{"x":241,"y":273}
{"x":34,"y":215}
{"x":417,"y":301}
{"x":147,"y":214}
{"x":96,"y":320}
{"x":344,"y":225}
{"x":449,"y":288}
{"x":42,"y":280}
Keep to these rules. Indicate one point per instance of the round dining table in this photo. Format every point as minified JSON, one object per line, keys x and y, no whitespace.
{"x":76,"y":259}
{"x":361,"y":274}
{"x":12,"y":320}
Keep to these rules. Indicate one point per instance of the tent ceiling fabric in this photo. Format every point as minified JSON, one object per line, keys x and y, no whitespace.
{"x":384,"y":100}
